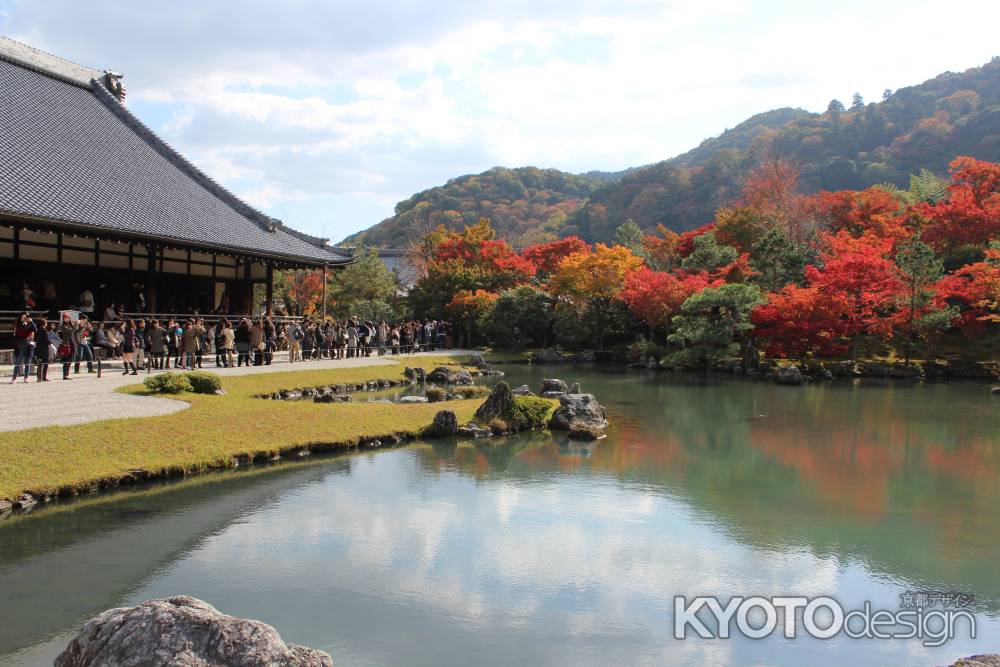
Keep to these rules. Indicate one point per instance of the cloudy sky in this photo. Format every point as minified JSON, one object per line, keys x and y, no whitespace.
{"x":325,"y":114}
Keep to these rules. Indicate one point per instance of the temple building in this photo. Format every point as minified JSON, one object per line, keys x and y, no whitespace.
{"x":95,"y":209}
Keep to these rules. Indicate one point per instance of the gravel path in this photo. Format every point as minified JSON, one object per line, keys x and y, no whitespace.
{"x":86,"y":398}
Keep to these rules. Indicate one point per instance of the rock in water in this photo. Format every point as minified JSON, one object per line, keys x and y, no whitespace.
{"x":182,"y":632}
{"x":579,"y":430}
{"x":554,"y":385}
{"x":789,"y":375}
{"x":523,"y":390}
{"x":445,"y":424}
{"x":548,"y":356}
{"x":413,"y":399}
{"x":500,"y":402}
{"x":580,"y":413}
{"x":575,"y":389}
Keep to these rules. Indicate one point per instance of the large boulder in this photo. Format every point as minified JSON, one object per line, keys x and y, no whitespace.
{"x":445,"y":424}
{"x":554,"y":385}
{"x":414,"y":374}
{"x":579,"y":412}
{"x":499,"y":403}
{"x":445,"y":375}
{"x":790,"y":375}
{"x":182,"y":632}
{"x":548,"y":356}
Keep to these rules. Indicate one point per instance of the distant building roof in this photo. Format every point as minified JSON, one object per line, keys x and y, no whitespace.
{"x":73,"y":155}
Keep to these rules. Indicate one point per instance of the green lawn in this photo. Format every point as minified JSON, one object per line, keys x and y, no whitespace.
{"x":213,"y":432}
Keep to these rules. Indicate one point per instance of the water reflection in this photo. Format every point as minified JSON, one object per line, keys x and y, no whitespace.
{"x":537,"y":550}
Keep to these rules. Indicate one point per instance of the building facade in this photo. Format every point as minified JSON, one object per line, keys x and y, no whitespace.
{"x":95,"y":209}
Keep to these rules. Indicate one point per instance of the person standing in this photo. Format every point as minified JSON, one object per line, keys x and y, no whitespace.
{"x":128,"y":348}
{"x":140,"y":344}
{"x":42,"y":355}
{"x":352,"y":339}
{"x":156,"y":344}
{"x":193,"y":334}
{"x":270,"y":340}
{"x":242,"y":338}
{"x":293,"y":334}
{"x":257,"y":342}
{"x":24,"y":346}
{"x":84,"y":351}
{"x":67,"y":343}
{"x":228,"y":339}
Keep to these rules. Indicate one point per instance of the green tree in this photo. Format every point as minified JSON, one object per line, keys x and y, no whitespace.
{"x":708,"y":255}
{"x":712,"y":324}
{"x":919,"y":267}
{"x":630,"y":236}
{"x":365,"y":286}
{"x":777,"y":261}
{"x":521,"y":317}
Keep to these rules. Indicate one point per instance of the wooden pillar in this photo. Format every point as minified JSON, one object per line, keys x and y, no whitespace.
{"x":270,"y":287}
{"x":151,"y":274}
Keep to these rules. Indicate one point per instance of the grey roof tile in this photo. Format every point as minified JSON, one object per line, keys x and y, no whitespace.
{"x":73,"y":154}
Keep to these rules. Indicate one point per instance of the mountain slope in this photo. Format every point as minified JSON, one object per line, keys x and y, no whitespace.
{"x":526,"y":205}
{"x":922,"y":126}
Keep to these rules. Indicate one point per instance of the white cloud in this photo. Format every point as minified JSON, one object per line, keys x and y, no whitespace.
{"x":375,"y":102}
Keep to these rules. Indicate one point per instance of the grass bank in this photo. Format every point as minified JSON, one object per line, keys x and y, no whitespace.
{"x":215,"y":432}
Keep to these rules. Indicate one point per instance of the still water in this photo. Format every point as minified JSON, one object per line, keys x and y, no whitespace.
{"x":537,"y":551}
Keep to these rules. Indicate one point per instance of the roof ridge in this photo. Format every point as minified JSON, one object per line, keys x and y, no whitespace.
{"x":46,"y":63}
{"x":173,"y":156}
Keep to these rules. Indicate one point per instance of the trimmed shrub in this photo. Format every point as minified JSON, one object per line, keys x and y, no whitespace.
{"x":203,"y":383}
{"x":167,"y":383}
{"x":435,"y":394}
{"x":475,"y":391}
{"x":529,"y":412}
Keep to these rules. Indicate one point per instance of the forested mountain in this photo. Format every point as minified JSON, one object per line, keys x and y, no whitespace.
{"x":527,"y":205}
{"x":845,"y":147}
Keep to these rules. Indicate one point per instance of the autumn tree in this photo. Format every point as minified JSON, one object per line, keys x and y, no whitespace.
{"x":546,"y":257}
{"x":660,"y":249}
{"x":593,"y":274}
{"x":797,"y":322}
{"x":470,"y":310}
{"x":470,"y":260}
{"x":586,"y":287}
{"x":865,"y":282}
{"x":301,"y":291}
{"x":655,"y":296}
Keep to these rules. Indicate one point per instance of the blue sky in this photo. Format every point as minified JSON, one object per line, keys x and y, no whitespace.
{"x":325,"y":114}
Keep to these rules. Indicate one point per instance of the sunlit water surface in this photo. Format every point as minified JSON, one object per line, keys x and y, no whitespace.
{"x":536,"y":551}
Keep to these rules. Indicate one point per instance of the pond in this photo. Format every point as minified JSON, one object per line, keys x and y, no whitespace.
{"x":537,"y":551}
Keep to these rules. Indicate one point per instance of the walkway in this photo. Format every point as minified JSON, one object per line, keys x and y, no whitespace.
{"x":86,"y":398}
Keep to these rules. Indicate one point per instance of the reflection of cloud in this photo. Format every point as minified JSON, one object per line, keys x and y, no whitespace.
{"x":497,"y":552}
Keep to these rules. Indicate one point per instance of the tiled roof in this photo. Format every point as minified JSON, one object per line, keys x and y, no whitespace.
{"x":71,"y":153}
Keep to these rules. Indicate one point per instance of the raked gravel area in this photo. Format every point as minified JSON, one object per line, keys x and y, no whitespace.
{"x":86,"y":398}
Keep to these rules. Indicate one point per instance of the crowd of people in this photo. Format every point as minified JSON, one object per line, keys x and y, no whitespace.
{"x":186,"y":344}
